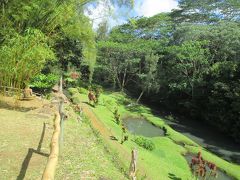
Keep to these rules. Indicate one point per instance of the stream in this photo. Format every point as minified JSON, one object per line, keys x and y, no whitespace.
{"x":209,"y":138}
{"x":140,"y":126}
{"x":203,"y":134}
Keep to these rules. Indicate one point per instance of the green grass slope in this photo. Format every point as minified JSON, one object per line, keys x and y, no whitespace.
{"x":166,"y":161}
{"x":83,"y":155}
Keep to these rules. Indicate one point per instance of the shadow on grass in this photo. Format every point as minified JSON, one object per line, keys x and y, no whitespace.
{"x":85,"y":102}
{"x":28,"y":157}
{"x":7,"y":106}
{"x":113,"y":138}
{"x":173,"y":176}
{"x":136,"y":108}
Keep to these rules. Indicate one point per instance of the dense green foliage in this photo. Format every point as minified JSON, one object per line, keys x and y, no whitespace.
{"x":44,"y":82}
{"x":186,"y":61}
{"x":34,"y":33}
{"x":145,"y":143}
{"x":167,"y":157}
{"x":23,"y":56}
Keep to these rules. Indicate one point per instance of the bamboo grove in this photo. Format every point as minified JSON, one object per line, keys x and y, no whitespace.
{"x":30,"y":31}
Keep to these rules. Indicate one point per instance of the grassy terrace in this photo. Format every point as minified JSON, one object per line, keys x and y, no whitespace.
{"x":83,"y":155}
{"x":25,"y":135}
{"x":167,"y":157}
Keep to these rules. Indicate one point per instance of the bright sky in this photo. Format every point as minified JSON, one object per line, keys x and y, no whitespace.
{"x":149,"y":8}
{"x":145,"y":8}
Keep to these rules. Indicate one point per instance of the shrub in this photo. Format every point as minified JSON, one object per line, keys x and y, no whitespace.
{"x":82,"y":90}
{"x":145,"y":143}
{"x":116,"y":116}
{"x":76,"y":98}
{"x":97,"y":90}
{"x":170,"y":117}
{"x":109,"y":103}
{"x":73,"y":91}
{"x":71,"y":78}
{"x":44,"y":82}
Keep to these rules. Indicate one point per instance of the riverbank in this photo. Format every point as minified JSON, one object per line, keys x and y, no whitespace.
{"x":167,"y":158}
{"x":202,"y":133}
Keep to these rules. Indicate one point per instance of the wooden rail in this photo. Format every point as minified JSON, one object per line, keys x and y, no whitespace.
{"x":57,"y":136}
{"x":16,"y":89}
{"x":50,"y":169}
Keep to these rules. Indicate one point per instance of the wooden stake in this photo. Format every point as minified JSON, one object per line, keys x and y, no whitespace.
{"x":61,"y":85}
{"x":61,"y":123}
{"x":133,"y":165}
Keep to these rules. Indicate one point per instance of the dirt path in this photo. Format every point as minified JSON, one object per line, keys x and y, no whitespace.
{"x":96,"y":123}
{"x":24,"y":148}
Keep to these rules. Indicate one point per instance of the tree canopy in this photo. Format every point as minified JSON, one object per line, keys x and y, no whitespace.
{"x":34,"y":33}
{"x":186,"y":61}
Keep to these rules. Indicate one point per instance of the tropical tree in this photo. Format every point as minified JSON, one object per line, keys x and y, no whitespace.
{"x":148,"y":76}
{"x":207,"y":11}
{"x":119,"y":61}
{"x":189,"y":65}
{"x":23,"y":57}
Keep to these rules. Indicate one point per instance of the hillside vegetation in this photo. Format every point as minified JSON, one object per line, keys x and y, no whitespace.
{"x":168,"y":154}
{"x":184,"y":63}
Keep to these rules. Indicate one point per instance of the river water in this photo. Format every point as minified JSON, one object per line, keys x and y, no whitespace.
{"x":140,"y":126}
{"x":203,"y":134}
{"x":209,"y":138}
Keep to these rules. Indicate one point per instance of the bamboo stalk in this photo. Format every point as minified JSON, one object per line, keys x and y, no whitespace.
{"x":49,"y":171}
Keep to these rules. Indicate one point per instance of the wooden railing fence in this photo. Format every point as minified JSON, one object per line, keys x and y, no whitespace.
{"x":11,"y":89}
{"x":57,"y":138}
{"x":50,"y":169}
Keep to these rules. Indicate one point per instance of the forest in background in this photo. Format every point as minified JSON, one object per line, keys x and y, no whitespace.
{"x":186,"y":61}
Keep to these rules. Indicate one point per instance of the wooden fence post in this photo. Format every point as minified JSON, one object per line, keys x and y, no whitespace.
{"x":61,"y":122}
{"x":61,"y":108}
{"x":61,"y":85}
{"x":133,"y":165}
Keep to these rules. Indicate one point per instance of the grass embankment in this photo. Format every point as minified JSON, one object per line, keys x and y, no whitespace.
{"x":83,"y":155}
{"x":25,"y":135}
{"x":166,"y":160}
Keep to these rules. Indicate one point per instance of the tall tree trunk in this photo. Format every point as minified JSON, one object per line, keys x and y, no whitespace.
{"x":124,"y":79}
{"x":140,"y":96}
{"x":119,"y":83}
{"x":114,"y":83}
